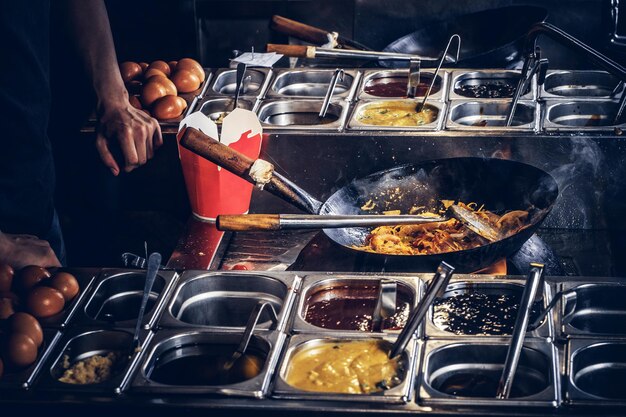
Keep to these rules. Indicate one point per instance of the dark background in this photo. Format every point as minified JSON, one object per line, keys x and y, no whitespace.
{"x":103,"y":216}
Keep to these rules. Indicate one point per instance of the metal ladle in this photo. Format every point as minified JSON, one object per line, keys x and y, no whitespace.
{"x":247,"y":334}
{"x":154,"y":261}
{"x":241,"y":71}
{"x":533,"y":286}
{"x":337,"y":76}
{"x":420,"y":106}
{"x":435,"y":289}
{"x":386,"y":304}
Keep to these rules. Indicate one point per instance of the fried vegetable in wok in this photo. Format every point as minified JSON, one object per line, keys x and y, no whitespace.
{"x":441,"y":237}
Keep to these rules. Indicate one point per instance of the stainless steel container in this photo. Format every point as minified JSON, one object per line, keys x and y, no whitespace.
{"x":399,"y":394}
{"x":466,"y":373}
{"x":490,"y":115}
{"x":596,"y":373}
{"x":218,"y":108}
{"x":598,"y":311}
{"x":115,"y":298}
{"x":193,"y":362}
{"x":399,"y":78}
{"x":254,"y":84}
{"x":81,"y":343}
{"x":220,"y":300}
{"x":362,"y":289}
{"x":310,"y":83}
{"x":302,"y":115}
{"x":586,"y":85}
{"x":484,"y":315}
{"x":24,"y":378}
{"x":487,"y":84}
{"x":581,"y":116}
{"x":357,"y":124}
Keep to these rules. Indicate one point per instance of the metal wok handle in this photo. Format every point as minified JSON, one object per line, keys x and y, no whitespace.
{"x":240,"y":165}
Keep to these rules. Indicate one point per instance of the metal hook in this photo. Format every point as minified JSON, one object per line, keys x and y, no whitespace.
{"x":420,"y":106}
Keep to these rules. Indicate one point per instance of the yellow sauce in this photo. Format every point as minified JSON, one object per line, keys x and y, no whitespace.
{"x":397,"y":113}
{"x":358,"y":367}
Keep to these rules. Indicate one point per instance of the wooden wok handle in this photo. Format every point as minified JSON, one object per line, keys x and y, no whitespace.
{"x":247,"y":222}
{"x":296,"y":51}
{"x":299,"y":30}
{"x":209,"y":148}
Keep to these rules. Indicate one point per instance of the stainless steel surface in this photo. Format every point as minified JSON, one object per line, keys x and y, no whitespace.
{"x":433,"y":289}
{"x":399,"y":394}
{"x":310,"y":83}
{"x":472,"y":369}
{"x":115,"y":298}
{"x":490,"y":115}
{"x":225,"y":83}
{"x":473,"y":78}
{"x":374,"y":77}
{"x":357,"y":125}
{"x":532,"y":291}
{"x":81,"y":343}
{"x":218,"y":108}
{"x":302,"y":114}
{"x":154,"y":262}
{"x":409,"y":287}
{"x":172,"y":345}
{"x":599,"y":310}
{"x":596,"y":373}
{"x":218,"y":300}
{"x":498,"y":285}
{"x":581,"y":84}
{"x":581,"y":115}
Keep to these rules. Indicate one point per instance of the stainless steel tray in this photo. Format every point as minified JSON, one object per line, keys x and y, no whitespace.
{"x":586,"y":85}
{"x":490,"y":115}
{"x":299,"y":114}
{"x":224,"y":83}
{"x":477,"y":364}
{"x":437,"y":124}
{"x":399,"y":394}
{"x":174,"y":342}
{"x":490,"y":285}
{"x":310,"y":84}
{"x":370,"y":76}
{"x":599,"y":310}
{"x":223,"y":300}
{"x":115,"y":296}
{"x":581,"y":115}
{"x":80,"y":343}
{"x":412,"y":286}
{"x":468,"y":77}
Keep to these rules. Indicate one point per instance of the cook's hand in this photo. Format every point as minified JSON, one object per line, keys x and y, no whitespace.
{"x":137,"y":135}
{"x":23,"y":250}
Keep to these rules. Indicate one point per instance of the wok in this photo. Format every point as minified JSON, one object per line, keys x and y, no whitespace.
{"x":490,"y":38}
{"x":500,"y":185}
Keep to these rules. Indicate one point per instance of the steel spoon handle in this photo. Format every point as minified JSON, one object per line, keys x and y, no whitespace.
{"x":437,"y":285}
{"x":531,"y":289}
{"x":154,"y":261}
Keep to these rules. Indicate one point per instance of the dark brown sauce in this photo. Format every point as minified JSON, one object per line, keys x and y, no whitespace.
{"x":352,"y":310}
{"x":496,"y":89}
{"x":396,"y":87}
{"x":478,"y":313}
{"x":205,"y":365}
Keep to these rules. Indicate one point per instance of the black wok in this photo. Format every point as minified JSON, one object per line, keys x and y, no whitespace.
{"x":490,"y":38}
{"x":500,"y":185}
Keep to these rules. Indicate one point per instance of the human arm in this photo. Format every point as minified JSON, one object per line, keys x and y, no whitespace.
{"x":21,"y":250}
{"x":119,"y":124}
